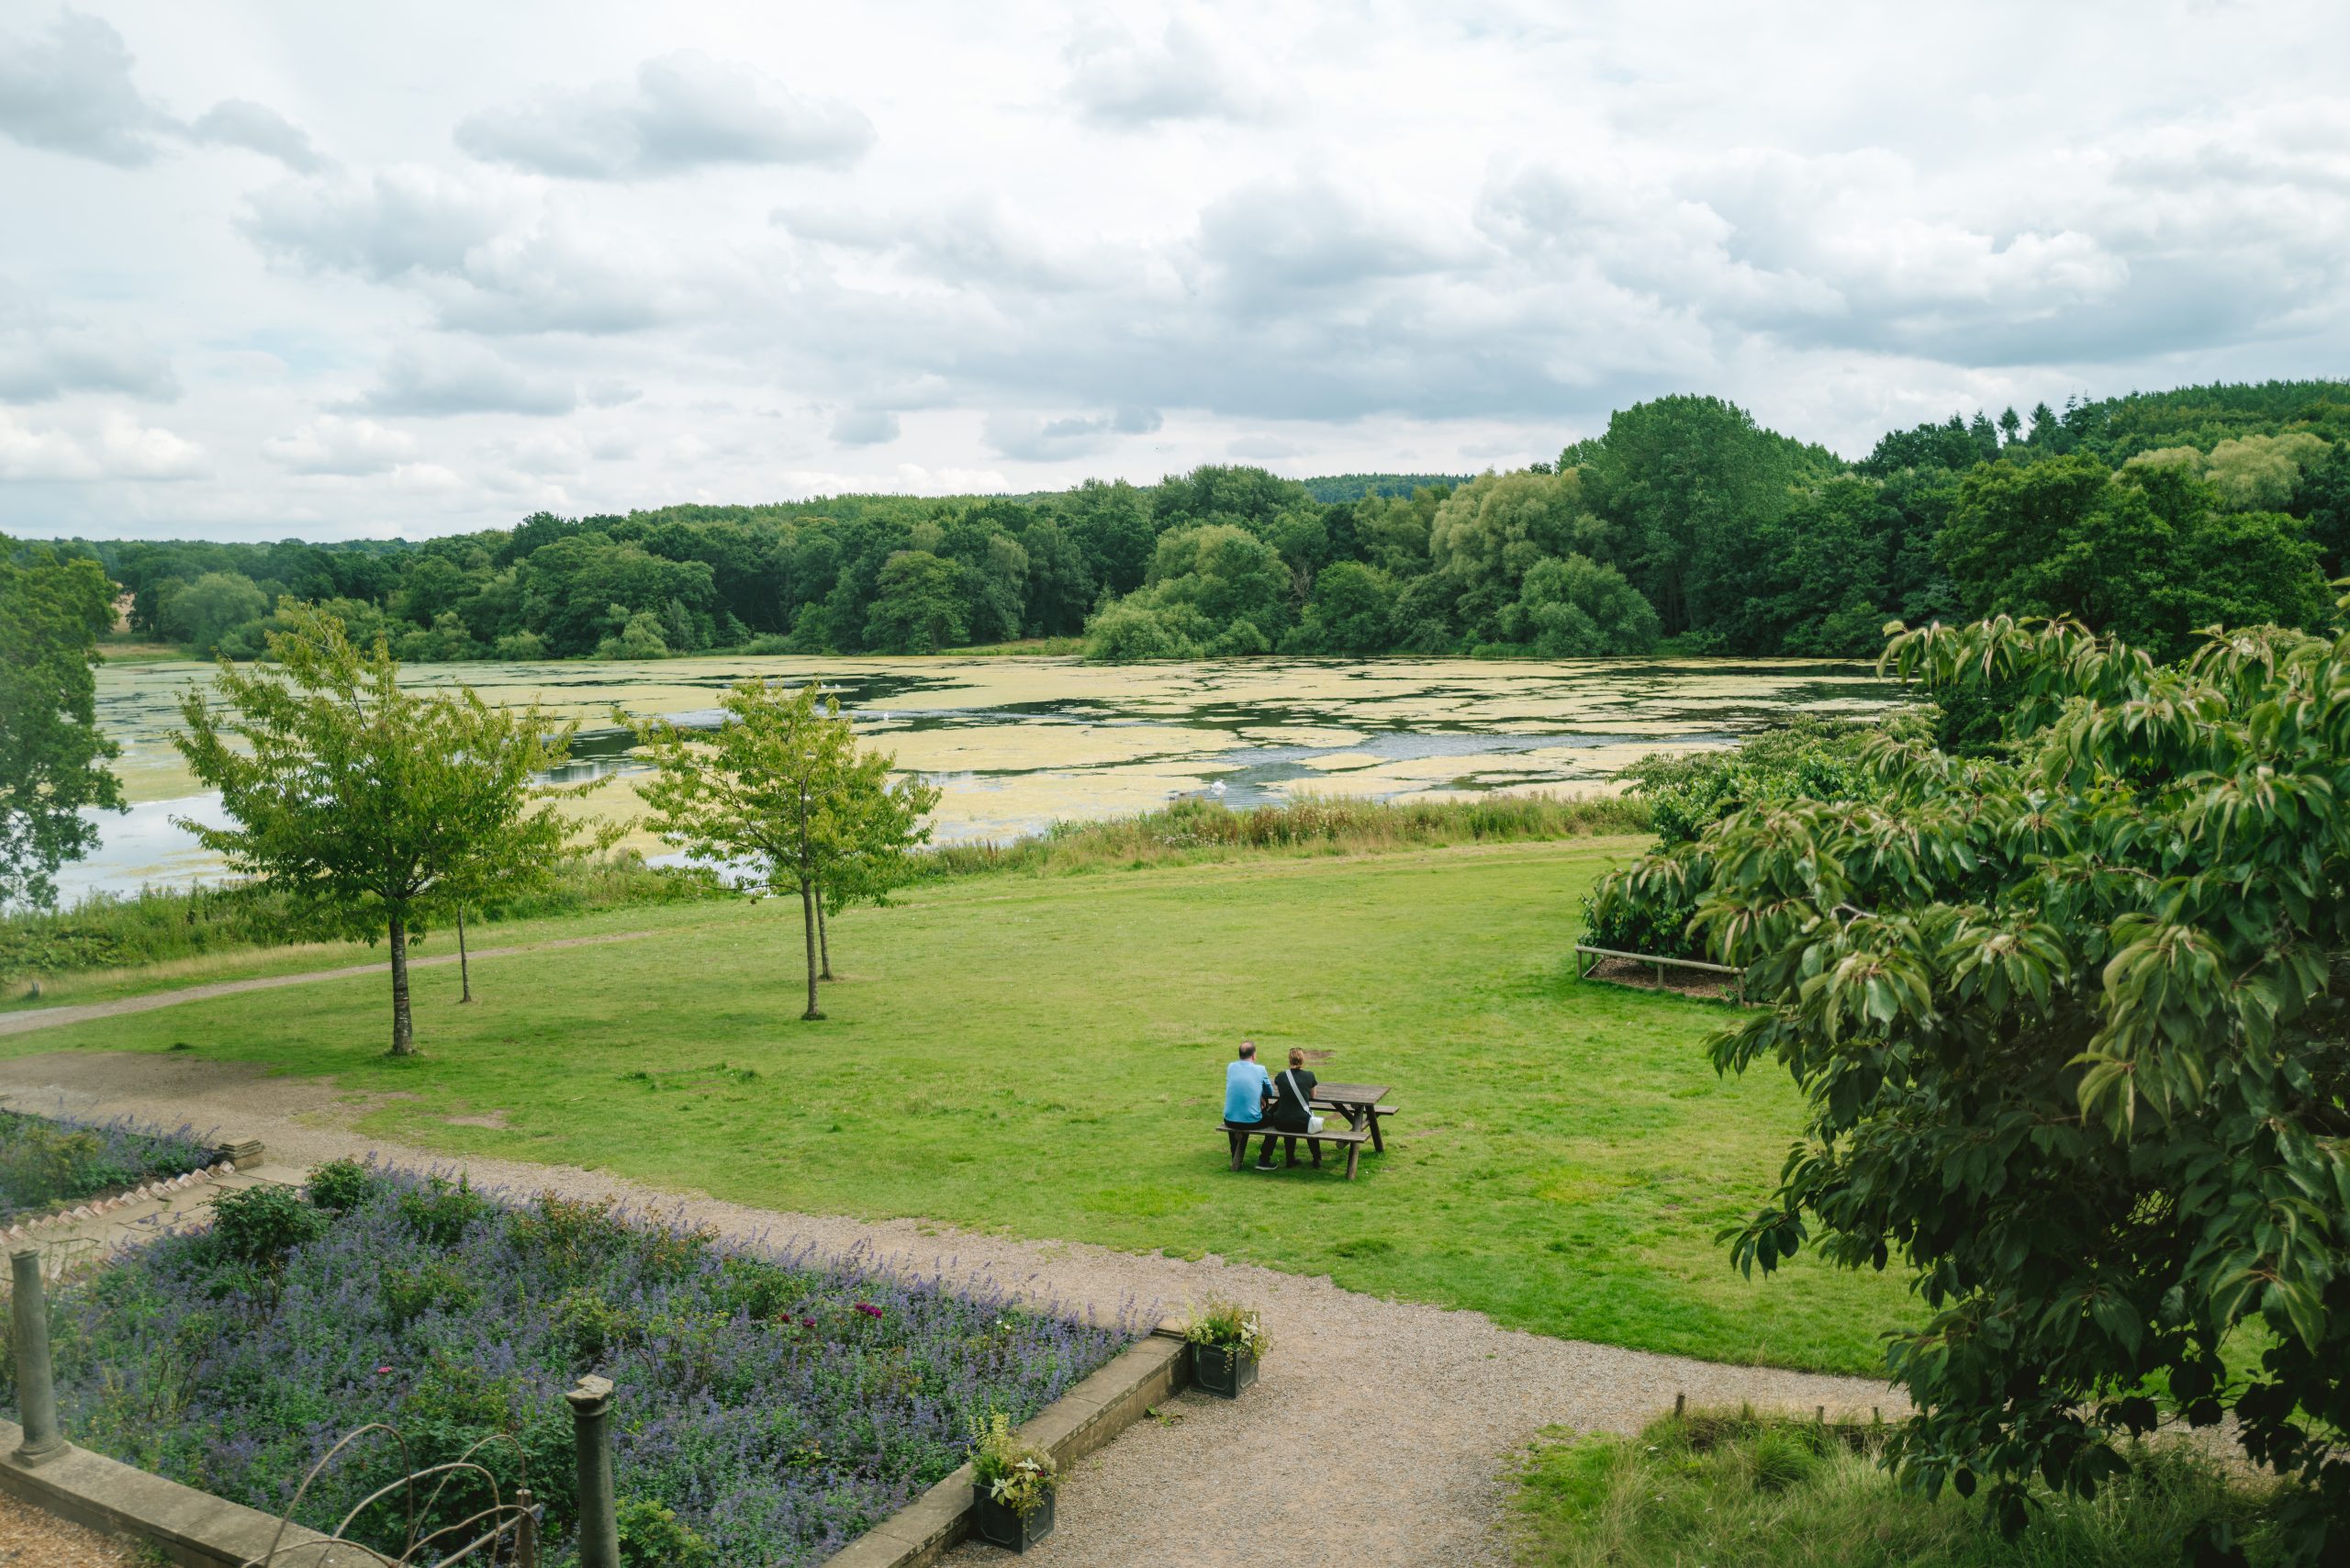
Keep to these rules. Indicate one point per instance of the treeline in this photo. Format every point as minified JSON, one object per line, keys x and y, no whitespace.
{"x":1684,"y":524}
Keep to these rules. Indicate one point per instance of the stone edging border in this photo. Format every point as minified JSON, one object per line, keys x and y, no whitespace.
{"x":197,"y":1529}
{"x":235,"y":1155}
{"x":1080,"y":1422}
{"x":192,"y":1528}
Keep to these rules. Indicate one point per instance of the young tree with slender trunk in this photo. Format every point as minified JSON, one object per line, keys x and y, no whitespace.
{"x":373,"y":806}
{"x":782,"y":784}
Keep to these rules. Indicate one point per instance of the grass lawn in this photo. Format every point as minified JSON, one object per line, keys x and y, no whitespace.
{"x":1045,"y":1056}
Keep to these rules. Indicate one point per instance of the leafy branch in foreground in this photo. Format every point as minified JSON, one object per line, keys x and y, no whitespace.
{"x":373,"y":806}
{"x":2071,"y":1021}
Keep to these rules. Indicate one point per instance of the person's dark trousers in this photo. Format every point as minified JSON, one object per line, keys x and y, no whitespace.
{"x":1237,"y":1132}
{"x":1265,"y":1155}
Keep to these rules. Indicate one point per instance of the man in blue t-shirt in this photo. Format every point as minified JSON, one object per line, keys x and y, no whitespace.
{"x":1247,"y":1086}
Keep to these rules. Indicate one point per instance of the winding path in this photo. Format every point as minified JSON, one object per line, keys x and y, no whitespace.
{"x":82,"y":1011}
{"x":1408,"y":1415}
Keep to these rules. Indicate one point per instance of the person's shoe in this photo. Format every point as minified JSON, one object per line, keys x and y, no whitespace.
{"x":1262,"y":1166}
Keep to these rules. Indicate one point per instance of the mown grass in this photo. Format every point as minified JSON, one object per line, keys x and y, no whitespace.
{"x":172,"y":933}
{"x":1045,"y":1056}
{"x":1739,"y":1491}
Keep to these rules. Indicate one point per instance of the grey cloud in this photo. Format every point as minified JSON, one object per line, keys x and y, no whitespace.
{"x":349,"y":448}
{"x":864,"y":427}
{"x":68,"y":89}
{"x":458,"y":377}
{"x":401,"y":220}
{"x":1033,"y":440}
{"x":44,"y":355}
{"x":1273,"y":239}
{"x":1116,"y":78}
{"x":971,"y":244}
{"x":683,"y":111}
{"x":238,"y":122}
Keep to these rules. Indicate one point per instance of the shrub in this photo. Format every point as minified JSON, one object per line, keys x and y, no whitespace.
{"x":652,"y":1537}
{"x":1227,"y":1324}
{"x":261,"y":1224}
{"x":341,"y":1184}
{"x":48,"y":1162}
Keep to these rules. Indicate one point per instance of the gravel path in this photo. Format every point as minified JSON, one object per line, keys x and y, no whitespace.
{"x":81,"y":1012}
{"x":1408,"y":1414}
{"x":32,"y":1539}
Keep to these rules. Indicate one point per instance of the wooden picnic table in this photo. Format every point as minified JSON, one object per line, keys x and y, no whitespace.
{"x":1358,"y":1103}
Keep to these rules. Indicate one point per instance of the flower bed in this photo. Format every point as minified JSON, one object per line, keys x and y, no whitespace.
{"x":769,"y":1408}
{"x":49,"y":1162}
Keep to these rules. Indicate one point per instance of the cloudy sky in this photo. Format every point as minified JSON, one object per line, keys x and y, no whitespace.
{"x":332,"y":271}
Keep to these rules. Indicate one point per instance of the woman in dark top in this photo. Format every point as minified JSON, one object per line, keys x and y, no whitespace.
{"x":1291,"y":1110}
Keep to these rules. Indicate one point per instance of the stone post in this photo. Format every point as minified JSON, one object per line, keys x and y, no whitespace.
{"x":36,"y":1389}
{"x":600,"y":1530}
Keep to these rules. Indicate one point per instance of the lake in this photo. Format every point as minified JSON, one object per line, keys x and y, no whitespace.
{"x":1017,"y":744}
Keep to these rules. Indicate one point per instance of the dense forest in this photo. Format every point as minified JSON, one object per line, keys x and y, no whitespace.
{"x":1684,"y":524}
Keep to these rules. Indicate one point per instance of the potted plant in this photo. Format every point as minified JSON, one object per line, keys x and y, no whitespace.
{"x":1012,"y":1485}
{"x":1228,"y":1341}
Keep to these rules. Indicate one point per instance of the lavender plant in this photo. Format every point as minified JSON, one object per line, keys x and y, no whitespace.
{"x":46,"y":1162}
{"x":775,"y":1404}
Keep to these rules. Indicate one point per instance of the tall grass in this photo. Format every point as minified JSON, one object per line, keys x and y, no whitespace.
{"x":1193,"y":831}
{"x":163,"y":924}
{"x":1745,"y":1490}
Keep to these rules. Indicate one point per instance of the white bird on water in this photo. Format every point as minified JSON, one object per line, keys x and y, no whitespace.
{"x":1217,"y":789}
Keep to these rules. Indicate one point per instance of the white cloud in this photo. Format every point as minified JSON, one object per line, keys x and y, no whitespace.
{"x":44,"y":355}
{"x":682,"y":111}
{"x":330,"y":444}
{"x":27,"y":454}
{"x":455,"y":377}
{"x":238,"y":122}
{"x":129,"y":450}
{"x":68,"y":89}
{"x":399,"y":221}
{"x":1182,"y":73}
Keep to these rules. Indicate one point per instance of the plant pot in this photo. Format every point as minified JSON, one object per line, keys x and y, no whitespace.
{"x":1000,"y":1525}
{"x":1222,"y":1369}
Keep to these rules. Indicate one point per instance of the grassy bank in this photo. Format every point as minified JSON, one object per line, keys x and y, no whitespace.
{"x":1735,"y":1491}
{"x":172,"y":930}
{"x":1045,"y":1056}
{"x":166,"y":928}
{"x":1192,"y":832}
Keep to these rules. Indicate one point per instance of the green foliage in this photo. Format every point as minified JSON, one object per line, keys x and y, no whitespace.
{"x":1230,"y":1325}
{"x":341,"y":1185}
{"x":782,"y":784}
{"x":1738,"y":1490}
{"x":52,"y":758}
{"x":1012,"y":1470}
{"x":261,"y":1225}
{"x":370,"y":805}
{"x":917,"y":608}
{"x":1647,"y":908}
{"x":2066,"y":1018}
{"x":651,"y":1536}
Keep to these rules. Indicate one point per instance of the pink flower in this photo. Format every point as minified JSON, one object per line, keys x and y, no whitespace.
{"x":383,"y":1371}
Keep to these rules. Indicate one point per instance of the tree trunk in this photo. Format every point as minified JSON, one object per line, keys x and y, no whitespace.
{"x":465,"y":970}
{"x":823,"y":943}
{"x":403,"y":1032}
{"x":808,"y":930}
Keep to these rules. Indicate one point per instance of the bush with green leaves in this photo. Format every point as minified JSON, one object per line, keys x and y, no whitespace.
{"x":2071,"y":1022}
{"x":1642,"y":912}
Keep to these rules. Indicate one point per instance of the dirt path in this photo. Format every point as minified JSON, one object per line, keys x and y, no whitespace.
{"x":81,"y":1012}
{"x":1415,"y":1410}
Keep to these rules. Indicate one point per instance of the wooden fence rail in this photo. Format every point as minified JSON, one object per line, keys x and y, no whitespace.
{"x":1584,"y":950}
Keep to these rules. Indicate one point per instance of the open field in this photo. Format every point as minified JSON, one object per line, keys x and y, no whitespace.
{"x":1045,"y":1058}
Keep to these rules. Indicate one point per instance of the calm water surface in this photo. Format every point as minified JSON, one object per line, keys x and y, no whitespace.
{"x":1018,"y":743}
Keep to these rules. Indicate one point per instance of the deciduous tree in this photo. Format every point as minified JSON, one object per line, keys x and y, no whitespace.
{"x":2073,"y":1025}
{"x":52,"y":758}
{"x":371,"y":804}
{"x":782,"y":785}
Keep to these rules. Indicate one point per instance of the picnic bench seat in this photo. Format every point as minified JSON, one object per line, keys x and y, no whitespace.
{"x":1333,"y":1132}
